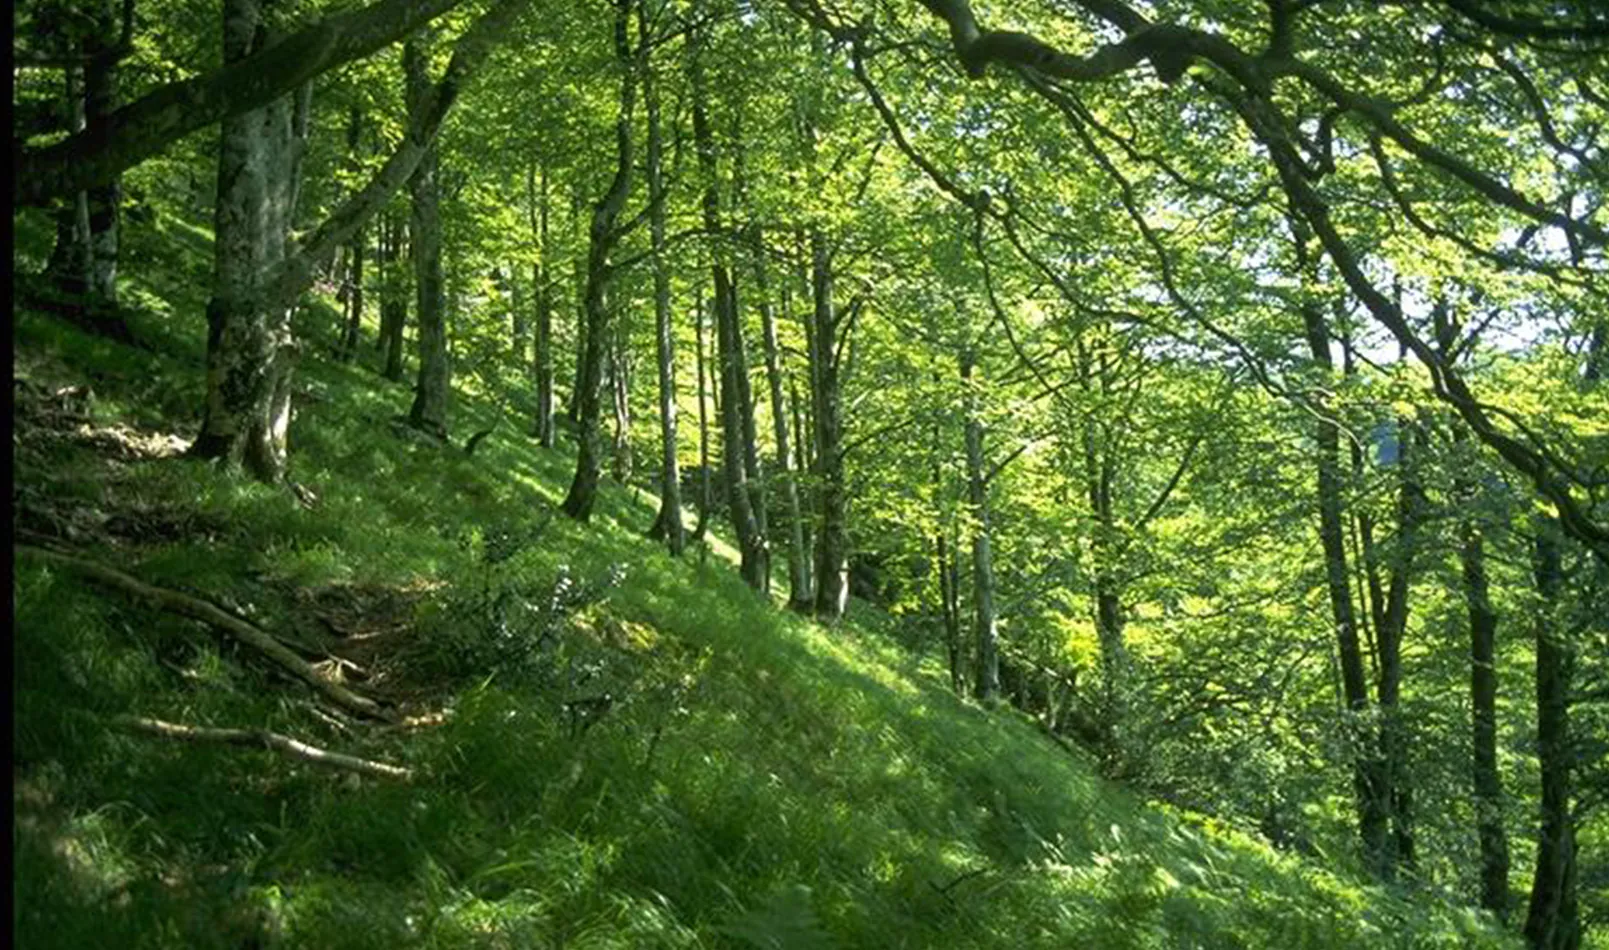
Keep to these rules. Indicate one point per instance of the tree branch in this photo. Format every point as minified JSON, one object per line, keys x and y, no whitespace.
{"x":284,"y":745}
{"x":212,"y":615}
{"x":141,"y":129}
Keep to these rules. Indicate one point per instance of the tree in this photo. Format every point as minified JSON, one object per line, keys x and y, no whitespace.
{"x":429,"y":409}
{"x":603,"y":235}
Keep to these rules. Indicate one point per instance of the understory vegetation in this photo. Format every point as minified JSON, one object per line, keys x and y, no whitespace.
{"x":811,"y":473}
{"x":753,"y":780}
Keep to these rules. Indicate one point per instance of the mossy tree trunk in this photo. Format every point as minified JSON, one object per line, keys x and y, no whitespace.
{"x":249,"y":344}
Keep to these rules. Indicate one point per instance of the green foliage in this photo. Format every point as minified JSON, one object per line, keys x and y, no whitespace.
{"x":758,"y":782}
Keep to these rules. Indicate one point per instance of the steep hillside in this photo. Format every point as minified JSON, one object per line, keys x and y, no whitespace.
{"x":608,"y":747}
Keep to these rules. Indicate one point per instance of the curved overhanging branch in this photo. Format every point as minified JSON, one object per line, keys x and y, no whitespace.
{"x":1251,"y":99}
{"x":1448,"y":384}
{"x":1380,"y":117}
{"x":146,"y":126}
{"x":1170,"y":48}
{"x":296,"y":273}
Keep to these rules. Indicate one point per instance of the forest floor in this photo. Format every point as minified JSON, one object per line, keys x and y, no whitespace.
{"x":607,"y":747}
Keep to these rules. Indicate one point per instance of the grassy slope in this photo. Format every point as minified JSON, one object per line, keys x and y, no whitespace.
{"x":759,"y":781}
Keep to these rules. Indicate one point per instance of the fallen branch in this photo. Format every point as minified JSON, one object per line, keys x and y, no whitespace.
{"x":210,"y":614}
{"x":284,"y":745}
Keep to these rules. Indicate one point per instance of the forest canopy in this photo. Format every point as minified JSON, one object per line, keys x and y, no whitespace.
{"x":1219,"y":383}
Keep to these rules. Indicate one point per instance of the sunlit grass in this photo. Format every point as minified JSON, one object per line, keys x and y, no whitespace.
{"x":760,"y":781}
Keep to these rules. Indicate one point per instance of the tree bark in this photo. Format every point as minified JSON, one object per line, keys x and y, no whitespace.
{"x":620,"y":387}
{"x":602,"y":237}
{"x":1484,"y":774}
{"x":703,"y":424}
{"x":755,"y":566}
{"x":987,"y":676}
{"x":103,"y":199}
{"x":803,"y":463}
{"x":668,"y":525}
{"x":800,"y":596}
{"x":1391,"y":624}
{"x":832,"y":539}
{"x":429,"y":410}
{"x":1552,"y":921}
{"x":69,"y":264}
{"x":1368,"y":780}
{"x":249,"y":344}
{"x":542,"y":354}
{"x":393,"y":297}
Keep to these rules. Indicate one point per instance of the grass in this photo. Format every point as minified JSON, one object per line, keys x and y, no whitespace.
{"x":756,"y":780}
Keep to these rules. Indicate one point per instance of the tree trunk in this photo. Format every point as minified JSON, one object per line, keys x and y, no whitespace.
{"x":1483,"y":701}
{"x":542,"y":354}
{"x":620,"y":387}
{"x":832,"y":540}
{"x":1368,"y":781}
{"x":393,"y":298}
{"x":802,"y":463}
{"x":579,"y":279}
{"x":668,"y":525}
{"x":429,"y":409}
{"x":987,"y":676}
{"x":102,"y":201}
{"x":1552,"y":922}
{"x":249,"y":346}
{"x":800,"y":596}
{"x":354,"y":299}
{"x":69,"y":264}
{"x":948,"y":569}
{"x":589,"y":384}
{"x":755,"y":567}
{"x":1391,"y":624}
{"x":703,"y":425}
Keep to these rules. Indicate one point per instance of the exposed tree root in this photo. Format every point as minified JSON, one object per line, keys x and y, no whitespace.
{"x":197,"y":609}
{"x":284,"y":745}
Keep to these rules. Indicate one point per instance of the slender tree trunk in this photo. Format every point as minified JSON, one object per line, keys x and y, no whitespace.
{"x":753,"y":467}
{"x":579,"y":279}
{"x":803,"y":463}
{"x":1100,"y":471}
{"x":620,"y":387}
{"x":542,"y":354}
{"x":755,"y":567}
{"x":1483,"y":701}
{"x":1368,"y":781}
{"x":703,"y":424}
{"x":602,"y":237}
{"x":987,"y":676}
{"x":832,"y":541}
{"x":429,"y":409}
{"x":1552,"y":921}
{"x":69,"y":264}
{"x":1390,"y":627}
{"x":949,"y":592}
{"x":668,"y":525}
{"x":354,"y":301}
{"x":800,"y":596}
{"x":393,"y":299}
{"x":102,"y":201}
{"x":249,"y":346}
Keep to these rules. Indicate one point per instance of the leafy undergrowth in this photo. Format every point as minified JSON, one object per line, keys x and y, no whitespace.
{"x":621,"y":749}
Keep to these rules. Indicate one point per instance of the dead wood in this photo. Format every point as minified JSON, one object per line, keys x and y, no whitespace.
{"x":208,"y":613}
{"x":284,"y":745}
